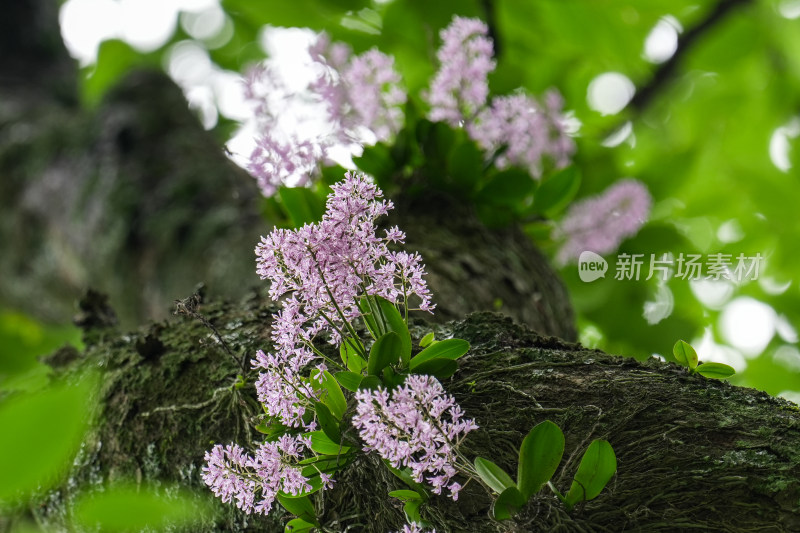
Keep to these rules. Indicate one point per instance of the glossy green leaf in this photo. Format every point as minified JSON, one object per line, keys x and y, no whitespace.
{"x":406,"y":495}
{"x":446,"y":349}
{"x":132,"y":508}
{"x":328,"y":423}
{"x":438,"y":368}
{"x":384,"y":352}
{"x":508,"y":503}
{"x":596,"y":469}
{"x":393,"y":321}
{"x":715,"y":370}
{"x":349,"y":380}
{"x":323,"y":444}
{"x":300,"y":506}
{"x":301,"y":204}
{"x":312,"y":466}
{"x":539,"y":457}
{"x":426,"y":340}
{"x":42,"y":432}
{"x":350,"y":356}
{"x":370,"y":382}
{"x":493,"y":475}
{"x":557,"y":192}
{"x":411,"y":510}
{"x":298,"y":525}
{"x":685,"y":354}
{"x":334,"y":399}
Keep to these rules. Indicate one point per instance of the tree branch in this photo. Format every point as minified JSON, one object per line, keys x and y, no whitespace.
{"x":666,"y":71}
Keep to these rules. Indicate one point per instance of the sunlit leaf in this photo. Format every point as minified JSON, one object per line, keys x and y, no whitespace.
{"x":715,"y":370}
{"x":132,"y":508}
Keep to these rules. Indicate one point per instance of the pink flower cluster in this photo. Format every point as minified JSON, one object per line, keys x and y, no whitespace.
{"x":420,"y":427}
{"x":255,"y":480}
{"x":528,"y":131}
{"x":320,"y":271}
{"x":360,"y":94}
{"x":600,"y":223}
{"x":460,"y":87}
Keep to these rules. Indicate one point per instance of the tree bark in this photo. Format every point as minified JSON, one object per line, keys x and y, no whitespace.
{"x":693,"y":453}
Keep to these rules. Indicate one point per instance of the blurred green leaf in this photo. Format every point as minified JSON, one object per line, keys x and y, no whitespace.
{"x":302,"y":205}
{"x":556,"y":192}
{"x":42,"y":433}
{"x":131,"y":508}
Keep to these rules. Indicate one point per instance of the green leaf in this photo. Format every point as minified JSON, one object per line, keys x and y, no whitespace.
{"x":557,"y":192}
{"x":446,"y":349}
{"x":376,"y":161}
{"x":715,"y":370}
{"x":507,"y":187}
{"x":438,"y":368}
{"x":384,"y":352}
{"x":493,"y":475}
{"x":411,"y":510}
{"x":370,"y":382}
{"x":335,"y":399}
{"x":404,"y":475}
{"x":426,"y":340}
{"x":324,"y":463}
{"x":466,"y":166}
{"x":349,"y":380}
{"x":302,"y":205}
{"x":132,"y":508}
{"x":508,"y":503}
{"x":406,"y":495}
{"x":299,"y":506}
{"x":297,"y":525}
{"x":393,"y":321}
{"x":685,"y":354}
{"x":323,"y":444}
{"x":369,"y":311}
{"x":327,"y":422}
{"x":115,"y":59}
{"x":596,"y":469}
{"x":539,"y":456}
{"x":41,"y":434}
{"x":350,"y":356}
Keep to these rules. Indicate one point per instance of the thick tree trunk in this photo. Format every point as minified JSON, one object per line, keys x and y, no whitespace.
{"x":693,"y":453}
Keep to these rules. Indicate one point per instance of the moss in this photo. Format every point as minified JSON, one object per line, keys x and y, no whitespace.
{"x":693,"y":453}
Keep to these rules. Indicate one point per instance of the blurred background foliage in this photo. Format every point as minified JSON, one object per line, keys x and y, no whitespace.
{"x":698,"y":100}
